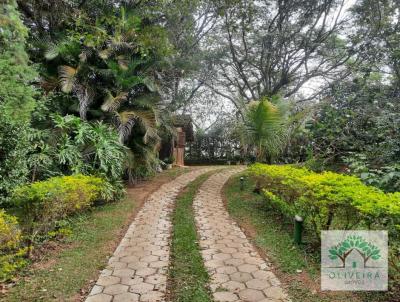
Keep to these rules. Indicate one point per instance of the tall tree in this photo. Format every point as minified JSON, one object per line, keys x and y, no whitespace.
{"x":102,"y":63}
{"x":376,"y":37}
{"x":188,"y":24}
{"x":357,"y":124}
{"x":276,"y":47}
{"x":17,"y":99}
{"x":17,"y":95}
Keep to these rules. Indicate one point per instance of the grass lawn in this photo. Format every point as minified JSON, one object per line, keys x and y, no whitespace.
{"x":188,"y":277}
{"x":65,"y":273}
{"x":294,"y":265}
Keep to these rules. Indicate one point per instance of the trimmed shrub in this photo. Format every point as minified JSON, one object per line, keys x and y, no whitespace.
{"x":11,"y":253}
{"x":330,"y":200}
{"x":43,"y":203}
{"x":327,"y":200}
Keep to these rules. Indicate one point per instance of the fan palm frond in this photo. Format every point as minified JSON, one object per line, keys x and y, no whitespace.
{"x":52,"y":51}
{"x":67,"y":76}
{"x":125,"y":124}
{"x":61,"y":48}
{"x":112,"y":103}
{"x":123,"y":62}
{"x":118,"y":46}
{"x":85,"y":54}
{"x":85,"y":96}
{"x":105,"y":53}
{"x":146,"y":118}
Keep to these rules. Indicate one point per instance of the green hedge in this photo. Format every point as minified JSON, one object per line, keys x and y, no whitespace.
{"x":39,"y":207}
{"x":11,"y":251}
{"x":332,"y":201}
{"x":327,"y":200}
{"x":41,"y":204}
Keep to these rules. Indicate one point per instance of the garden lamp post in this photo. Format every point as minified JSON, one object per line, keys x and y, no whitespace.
{"x":241,"y":183}
{"x":298,"y":229}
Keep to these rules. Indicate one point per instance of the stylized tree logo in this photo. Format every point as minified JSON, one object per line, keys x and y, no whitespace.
{"x":358,"y":243}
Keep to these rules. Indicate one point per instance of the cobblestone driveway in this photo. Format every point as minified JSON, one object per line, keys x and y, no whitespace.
{"x":138,"y":269}
{"x":237,"y":271}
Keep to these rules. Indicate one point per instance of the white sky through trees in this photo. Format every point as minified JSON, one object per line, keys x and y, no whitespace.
{"x":209,"y":107}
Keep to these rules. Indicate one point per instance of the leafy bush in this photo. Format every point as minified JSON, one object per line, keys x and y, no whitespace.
{"x":386,"y":178}
{"x":357,"y":126}
{"x":14,"y":148}
{"x":330,"y":200}
{"x":42,"y":203}
{"x":89,"y":148}
{"x":327,"y":199}
{"x":17,"y":99}
{"x":75,"y":146}
{"x":17,"y":96}
{"x":11,"y":253}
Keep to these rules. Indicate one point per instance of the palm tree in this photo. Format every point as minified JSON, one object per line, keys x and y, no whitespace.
{"x":263,"y":129}
{"x":110,"y":72}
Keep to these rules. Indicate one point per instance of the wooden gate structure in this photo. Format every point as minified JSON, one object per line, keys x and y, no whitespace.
{"x":179,"y":147}
{"x":176,"y":146}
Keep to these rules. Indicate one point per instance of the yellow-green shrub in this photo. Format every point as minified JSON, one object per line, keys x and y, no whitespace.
{"x":327,"y":199}
{"x":43,"y":203}
{"x":11,"y":253}
{"x":332,"y":201}
{"x":10,"y":234}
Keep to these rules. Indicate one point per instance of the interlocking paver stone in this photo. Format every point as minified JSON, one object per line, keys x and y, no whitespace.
{"x":237,"y":271}
{"x":141,"y":288}
{"x":126,"y":297}
{"x":115,"y":289}
{"x":108,"y":280}
{"x":140,"y":262}
{"x":225,"y":297}
{"x":250,"y":295}
{"x":99,"y":298}
{"x":234,"y":286}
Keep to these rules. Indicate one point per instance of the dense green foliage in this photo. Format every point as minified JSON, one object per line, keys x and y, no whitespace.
{"x":104,"y":62}
{"x":42,"y":204}
{"x":100,"y":66}
{"x":14,"y":148}
{"x":17,"y":96}
{"x":358,"y":128}
{"x":331,"y":201}
{"x":327,"y":200}
{"x":89,"y":148}
{"x":76,"y":146}
{"x":263,"y":129}
{"x":11,"y":251}
{"x":17,"y":100}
